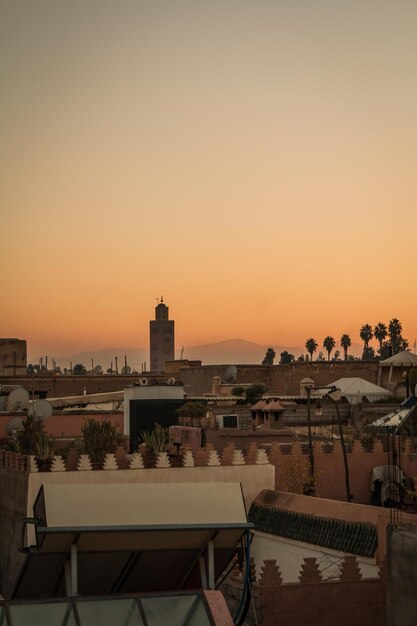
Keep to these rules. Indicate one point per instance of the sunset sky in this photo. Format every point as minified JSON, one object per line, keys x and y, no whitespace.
{"x":253,"y":161}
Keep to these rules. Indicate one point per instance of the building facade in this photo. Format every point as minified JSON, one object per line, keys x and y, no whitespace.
{"x":13,"y":357}
{"x":162,"y":338}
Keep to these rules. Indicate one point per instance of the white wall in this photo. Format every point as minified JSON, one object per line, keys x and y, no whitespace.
{"x":148,"y":392}
{"x":290,"y":554}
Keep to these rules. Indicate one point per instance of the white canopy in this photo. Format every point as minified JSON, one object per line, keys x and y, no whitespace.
{"x":355,"y":389}
{"x":402,"y":359}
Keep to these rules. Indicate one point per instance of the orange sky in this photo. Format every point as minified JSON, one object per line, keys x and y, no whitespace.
{"x":255,"y":162}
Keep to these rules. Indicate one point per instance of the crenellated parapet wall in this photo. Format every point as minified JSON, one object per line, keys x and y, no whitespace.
{"x":203,"y":457}
{"x":21,"y":480}
{"x":292,"y":463}
{"x":290,"y":460}
{"x":312,"y":599}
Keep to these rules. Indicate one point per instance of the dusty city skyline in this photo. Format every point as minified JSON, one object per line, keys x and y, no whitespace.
{"x":252,"y":162}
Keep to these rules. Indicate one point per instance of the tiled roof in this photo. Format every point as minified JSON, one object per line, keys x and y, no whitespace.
{"x":259,"y":406}
{"x":353,"y":537}
{"x":273,"y":407}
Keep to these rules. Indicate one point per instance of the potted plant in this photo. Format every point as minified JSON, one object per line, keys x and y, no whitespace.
{"x":32,"y":439}
{"x":192,"y":412}
{"x":99,"y":438}
{"x":44,"y":450}
{"x":155,"y":441}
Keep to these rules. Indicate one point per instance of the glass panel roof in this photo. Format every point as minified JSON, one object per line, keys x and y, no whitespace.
{"x":42,"y":614}
{"x":111,"y":612}
{"x":175,"y":610}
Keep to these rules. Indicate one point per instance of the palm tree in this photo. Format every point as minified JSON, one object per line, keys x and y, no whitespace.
{"x":366,"y":334}
{"x":311,"y":346}
{"x":380,"y":333}
{"x":345,"y":342}
{"x":394,"y":330}
{"x":329,"y":343}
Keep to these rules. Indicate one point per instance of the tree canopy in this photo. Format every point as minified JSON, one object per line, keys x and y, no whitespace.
{"x":269,"y":357}
{"x":329,"y":343}
{"x":311,"y":346}
{"x":345,"y":342}
{"x":286,"y":357}
{"x":366,"y":334}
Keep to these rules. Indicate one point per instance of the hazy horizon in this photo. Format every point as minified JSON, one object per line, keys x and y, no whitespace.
{"x":228,"y":351}
{"x":253,"y":162}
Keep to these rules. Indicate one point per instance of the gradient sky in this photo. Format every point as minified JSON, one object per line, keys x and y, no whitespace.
{"x":253,"y":161}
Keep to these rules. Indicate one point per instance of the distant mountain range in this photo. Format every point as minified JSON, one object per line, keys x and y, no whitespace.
{"x":230,"y":351}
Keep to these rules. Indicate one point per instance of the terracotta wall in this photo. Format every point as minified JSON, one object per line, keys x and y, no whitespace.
{"x":348,"y":601}
{"x":330,"y":468}
{"x":67,"y":424}
{"x":54,"y":386}
{"x":287,"y":378}
{"x":283,"y":379}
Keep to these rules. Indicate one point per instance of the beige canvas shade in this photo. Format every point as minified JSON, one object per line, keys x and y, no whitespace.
{"x":402,"y":359}
{"x":143,"y":505}
{"x":131,"y":538}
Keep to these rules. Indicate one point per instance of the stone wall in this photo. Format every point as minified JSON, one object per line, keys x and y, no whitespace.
{"x":60,"y":385}
{"x":286,"y":379}
{"x":282,"y":379}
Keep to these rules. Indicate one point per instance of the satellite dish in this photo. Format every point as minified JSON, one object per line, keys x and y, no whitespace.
{"x":14,"y":424}
{"x":17,"y":400}
{"x":143,"y":381}
{"x":126,"y":370}
{"x":41,"y":409}
{"x":98,"y":369}
{"x":230,"y":374}
{"x":171,"y":381}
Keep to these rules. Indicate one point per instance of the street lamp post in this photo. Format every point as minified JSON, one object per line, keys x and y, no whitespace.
{"x":335,"y":395}
{"x":310,"y":439}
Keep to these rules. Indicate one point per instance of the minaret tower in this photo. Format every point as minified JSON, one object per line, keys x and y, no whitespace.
{"x":161,"y":329}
